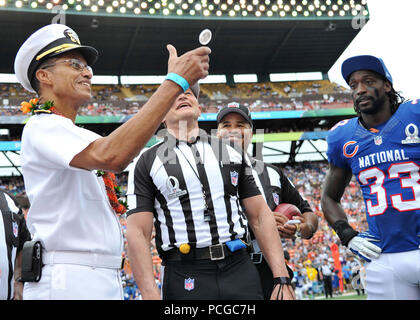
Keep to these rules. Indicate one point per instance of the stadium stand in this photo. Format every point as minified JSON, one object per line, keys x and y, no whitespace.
{"x":265,"y":96}
{"x":307,"y":177}
{"x":109,"y":100}
{"x":125,"y":100}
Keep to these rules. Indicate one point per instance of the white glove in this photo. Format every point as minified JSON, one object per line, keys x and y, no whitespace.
{"x":362,"y":246}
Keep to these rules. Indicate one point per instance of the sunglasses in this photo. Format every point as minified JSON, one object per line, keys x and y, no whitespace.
{"x":74,"y":63}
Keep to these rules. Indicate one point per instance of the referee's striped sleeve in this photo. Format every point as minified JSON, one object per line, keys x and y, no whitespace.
{"x":247,"y":186}
{"x":143,"y":187}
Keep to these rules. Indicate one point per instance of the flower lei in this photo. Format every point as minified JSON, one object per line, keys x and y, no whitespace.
{"x":113,"y":191}
{"x":33,"y":106}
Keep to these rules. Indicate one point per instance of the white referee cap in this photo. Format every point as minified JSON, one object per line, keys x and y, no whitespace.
{"x":47,"y":42}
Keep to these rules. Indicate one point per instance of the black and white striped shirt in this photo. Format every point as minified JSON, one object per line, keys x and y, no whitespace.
{"x":13,"y":234}
{"x":275,"y":187}
{"x":169,"y":182}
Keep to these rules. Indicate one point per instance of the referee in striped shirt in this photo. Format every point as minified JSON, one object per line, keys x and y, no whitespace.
{"x":234,"y":122}
{"x":191,"y":186}
{"x":13,"y":234}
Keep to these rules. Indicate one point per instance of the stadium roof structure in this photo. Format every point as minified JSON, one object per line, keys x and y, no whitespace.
{"x":219,"y":9}
{"x":136,"y":45}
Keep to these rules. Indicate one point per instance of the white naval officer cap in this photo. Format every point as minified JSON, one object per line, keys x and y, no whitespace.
{"x":47,"y":42}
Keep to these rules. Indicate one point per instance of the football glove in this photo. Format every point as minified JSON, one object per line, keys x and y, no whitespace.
{"x":362,"y":246}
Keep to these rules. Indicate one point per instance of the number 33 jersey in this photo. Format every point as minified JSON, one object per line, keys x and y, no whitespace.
{"x":386,"y":163}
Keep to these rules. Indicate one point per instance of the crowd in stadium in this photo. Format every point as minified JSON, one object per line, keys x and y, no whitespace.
{"x":114,"y":100}
{"x":306,"y":256}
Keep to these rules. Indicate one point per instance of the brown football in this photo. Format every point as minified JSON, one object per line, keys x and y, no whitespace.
{"x":288,"y":209}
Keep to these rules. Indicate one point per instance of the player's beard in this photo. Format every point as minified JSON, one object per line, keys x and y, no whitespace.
{"x":377,"y":104}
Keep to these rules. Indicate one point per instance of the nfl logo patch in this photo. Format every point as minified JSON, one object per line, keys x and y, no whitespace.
{"x":378,"y":140}
{"x":15,"y":229}
{"x":276,"y":198}
{"x":189,"y":284}
{"x":233,"y":105}
{"x":234,"y":178}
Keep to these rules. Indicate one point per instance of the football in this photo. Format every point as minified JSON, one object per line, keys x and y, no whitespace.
{"x":288,"y":209}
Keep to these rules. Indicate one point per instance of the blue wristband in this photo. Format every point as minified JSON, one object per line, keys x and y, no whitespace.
{"x":178,"y":80}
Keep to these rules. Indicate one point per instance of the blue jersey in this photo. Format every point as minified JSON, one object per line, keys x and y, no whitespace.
{"x":387,"y":166}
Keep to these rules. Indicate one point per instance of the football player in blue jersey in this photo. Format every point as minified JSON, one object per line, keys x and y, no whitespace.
{"x":381,"y":147}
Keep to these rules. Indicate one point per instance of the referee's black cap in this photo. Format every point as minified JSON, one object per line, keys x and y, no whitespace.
{"x":237,"y":108}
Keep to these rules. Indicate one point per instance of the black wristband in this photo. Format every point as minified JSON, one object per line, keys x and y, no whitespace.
{"x":282,"y":280}
{"x":344,"y":231}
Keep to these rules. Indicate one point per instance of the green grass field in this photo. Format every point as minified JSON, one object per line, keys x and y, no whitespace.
{"x":346,"y":297}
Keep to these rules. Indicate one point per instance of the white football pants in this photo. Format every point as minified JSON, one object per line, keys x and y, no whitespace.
{"x":394,"y":276}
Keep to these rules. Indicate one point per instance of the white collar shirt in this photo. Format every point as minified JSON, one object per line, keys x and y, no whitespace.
{"x":69,"y":209}
{"x":326,"y":269}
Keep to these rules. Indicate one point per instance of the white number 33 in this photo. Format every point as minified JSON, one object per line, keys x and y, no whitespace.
{"x":411,"y":180}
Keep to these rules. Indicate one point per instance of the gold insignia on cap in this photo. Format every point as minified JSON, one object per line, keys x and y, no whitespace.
{"x":56,"y":49}
{"x":72,"y":35}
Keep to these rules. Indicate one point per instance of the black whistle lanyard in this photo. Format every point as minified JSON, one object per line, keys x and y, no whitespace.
{"x":200,"y":167}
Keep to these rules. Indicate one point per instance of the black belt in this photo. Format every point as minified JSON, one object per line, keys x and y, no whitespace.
{"x":214,"y":252}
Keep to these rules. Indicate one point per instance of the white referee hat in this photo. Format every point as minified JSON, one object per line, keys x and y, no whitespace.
{"x":49,"y":41}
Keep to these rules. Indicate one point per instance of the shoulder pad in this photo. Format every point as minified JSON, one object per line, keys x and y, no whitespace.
{"x":344,"y":128}
{"x":412,"y":105}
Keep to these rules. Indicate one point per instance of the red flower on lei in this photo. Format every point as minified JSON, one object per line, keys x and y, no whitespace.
{"x":113,"y":191}
{"x":33,"y":106}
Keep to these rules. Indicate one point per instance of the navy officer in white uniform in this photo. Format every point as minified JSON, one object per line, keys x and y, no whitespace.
{"x":71,"y":213}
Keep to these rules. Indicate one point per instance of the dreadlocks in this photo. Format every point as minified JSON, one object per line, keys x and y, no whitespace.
{"x":395,"y":98}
